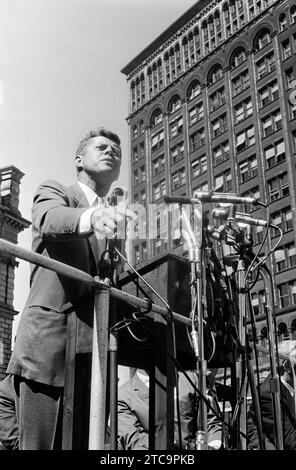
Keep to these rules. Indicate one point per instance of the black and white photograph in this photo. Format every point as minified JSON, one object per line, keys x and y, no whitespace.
{"x":148,"y":229}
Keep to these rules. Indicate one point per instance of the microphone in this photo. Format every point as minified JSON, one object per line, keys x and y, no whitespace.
{"x":239,"y":217}
{"x":210,"y":197}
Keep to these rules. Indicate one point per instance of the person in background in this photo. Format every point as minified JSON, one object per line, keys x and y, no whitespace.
{"x":286,"y":372}
{"x":133,"y":413}
{"x":9,"y":435}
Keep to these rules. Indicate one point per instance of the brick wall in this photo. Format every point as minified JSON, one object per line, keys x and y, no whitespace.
{"x":5,"y":341}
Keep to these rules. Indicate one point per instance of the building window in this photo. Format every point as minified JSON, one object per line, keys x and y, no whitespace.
{"x":268,"y":93}
{"x":177,"y":152}
{"x":285,"y":257}
{"x":217,"y":99}
{"x":136,"y":177}
{"x":174,"y":104}
{"x":292,"y":109}
{"x":144,"y":251}
{"x":283,"y":23}
{"x":178,"y":178}
{"x":282,"y":219}
{"x":287,"y":293}
{"x":248,"y":169}
{"x":221,"y":153}
{"x":141,"y":150}
{"x":137,"y":254}
{"x":240,"y":82}
{"x":219,"y":125}
{"x":135,"y":155}
{"x":196,"y":113}
{"x":243,"y":110}
{"x":255,"y":193}
{"x":275,"y":153}
{"x":286,"y":49}
{"x":159,"y":189}
{"x":265,"y":65}
{"x":245,"y":139}
{"x":193,"y":90}
{"x":282,"y":332}
{"x":133,"y":96}
{"x":158,"y":165}
{"x":204,"y":187}
{"x":255,"y":303}
{"x":238,"y":57}
{"x":141,"y":127}
{"x":289,"y":78}
{"x":157,"y":140}
{"x":280,"y":260}
{"x":156,"y":118}
{"x":293,"y":14}
{"x":263,"y":337}
{"x":176,"y":127}
{"x":135,"y":131}
{"x":215,"y":74}
{"x":262,"y":40}
{"x":278,"y":187}
{"x":197,"y":139}
{"x":272,"y":122}
{"x":199,"y":166}
{"x":223,"y":181}
{"x":258,"y":235}
{"x":294,"y":141}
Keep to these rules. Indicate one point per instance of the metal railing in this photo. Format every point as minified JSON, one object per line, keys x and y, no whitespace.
{"x":102,"y":294}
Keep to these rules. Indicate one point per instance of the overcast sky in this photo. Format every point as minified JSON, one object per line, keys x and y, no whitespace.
{"x":60,"y":63}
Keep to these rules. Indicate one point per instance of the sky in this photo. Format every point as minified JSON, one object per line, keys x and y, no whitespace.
{"x":60,"y":63}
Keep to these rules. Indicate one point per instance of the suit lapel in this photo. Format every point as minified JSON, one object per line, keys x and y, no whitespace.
{"x":140,"y":388}
{"x":289,"y":402}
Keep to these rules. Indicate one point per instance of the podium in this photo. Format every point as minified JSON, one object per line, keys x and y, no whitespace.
{"x":152,"y":347}
{"x":168,"y":275}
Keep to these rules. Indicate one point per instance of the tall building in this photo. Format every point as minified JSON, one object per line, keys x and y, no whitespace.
{"x":212,"y":106}
{"x":11,"y":223}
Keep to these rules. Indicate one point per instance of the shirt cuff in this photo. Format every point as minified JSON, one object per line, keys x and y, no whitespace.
{"x":84,"y":222}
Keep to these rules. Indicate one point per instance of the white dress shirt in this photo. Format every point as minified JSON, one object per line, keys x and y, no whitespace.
{"x":94,"y":201}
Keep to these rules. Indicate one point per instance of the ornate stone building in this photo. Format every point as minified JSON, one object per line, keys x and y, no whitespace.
{"x":212,"y":106}
{"x":11,"y":223}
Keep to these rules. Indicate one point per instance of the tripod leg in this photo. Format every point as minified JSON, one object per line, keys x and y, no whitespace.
{"x":256,"y":404}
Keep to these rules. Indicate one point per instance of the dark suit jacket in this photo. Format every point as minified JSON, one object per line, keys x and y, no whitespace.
{"x":288,"y":419}
{"x":133,"y":413}
{"x":8,"y":422}
{"x":39,"y":350}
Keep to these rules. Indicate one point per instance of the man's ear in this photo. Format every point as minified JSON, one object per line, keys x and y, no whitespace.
{"x":287,"y":365}
{"x":78,"y":161}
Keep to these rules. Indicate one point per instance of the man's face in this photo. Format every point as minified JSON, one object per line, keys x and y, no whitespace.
{"x":101,"y":157}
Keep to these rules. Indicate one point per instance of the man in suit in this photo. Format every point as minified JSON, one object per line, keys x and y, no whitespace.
{"x":8,"y":422}
{"x":133,"y":413}
{"x":69,"y":224}
{"x":286,"y":371}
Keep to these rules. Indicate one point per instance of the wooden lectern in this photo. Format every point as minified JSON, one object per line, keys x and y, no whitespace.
{"x":152,"y":346}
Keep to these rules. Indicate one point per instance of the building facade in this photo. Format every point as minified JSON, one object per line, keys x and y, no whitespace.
{"x":11,"y":223}
{"x":212,"y":107}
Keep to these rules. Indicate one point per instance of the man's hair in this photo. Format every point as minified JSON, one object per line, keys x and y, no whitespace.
{"x":100,"y":132}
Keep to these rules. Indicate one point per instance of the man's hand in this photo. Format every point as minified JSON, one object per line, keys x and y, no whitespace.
{"x":110,"y":221}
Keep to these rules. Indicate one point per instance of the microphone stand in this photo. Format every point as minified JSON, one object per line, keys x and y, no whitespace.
{"x":197,"y":335}
{"x":274,"y":380}
{"x":233,"y":236}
